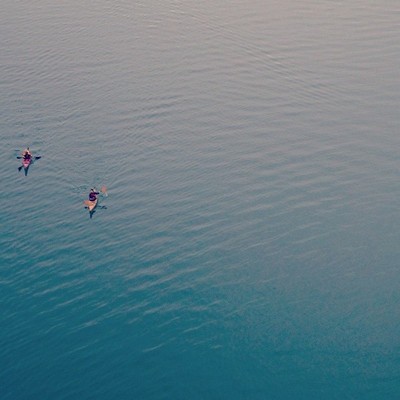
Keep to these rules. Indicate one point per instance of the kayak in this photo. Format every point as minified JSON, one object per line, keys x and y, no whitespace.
{"x":26,"y":162}
{"x":91,"y":204}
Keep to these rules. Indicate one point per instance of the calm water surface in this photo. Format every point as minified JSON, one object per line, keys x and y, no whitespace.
{"x":248,"y":246}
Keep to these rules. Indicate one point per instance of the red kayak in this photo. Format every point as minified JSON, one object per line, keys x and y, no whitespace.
{"x":26,"y":162}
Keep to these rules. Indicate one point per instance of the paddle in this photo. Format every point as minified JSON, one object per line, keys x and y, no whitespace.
{"x":35,"y":158}
{"x":104,"y":190}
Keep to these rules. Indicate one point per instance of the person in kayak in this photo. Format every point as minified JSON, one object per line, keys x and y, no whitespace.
{"x":93,"y":195}
{"x":26,"y":154}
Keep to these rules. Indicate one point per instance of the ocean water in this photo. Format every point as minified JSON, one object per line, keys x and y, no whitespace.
{"x":248,"y":245}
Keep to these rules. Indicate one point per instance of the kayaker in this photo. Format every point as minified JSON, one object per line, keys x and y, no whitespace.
{"x":26,"y":154}
{"x":93,"y":195}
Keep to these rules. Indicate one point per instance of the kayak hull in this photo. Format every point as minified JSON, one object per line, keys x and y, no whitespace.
{"x":92,"y":205}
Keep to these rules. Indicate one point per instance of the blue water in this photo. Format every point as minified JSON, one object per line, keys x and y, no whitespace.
{"x":248,"y":245}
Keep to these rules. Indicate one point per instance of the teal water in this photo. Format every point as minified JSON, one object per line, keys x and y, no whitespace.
{"x":248,"y":245}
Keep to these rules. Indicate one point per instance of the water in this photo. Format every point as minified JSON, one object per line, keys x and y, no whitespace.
{"x":248,"y":247}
